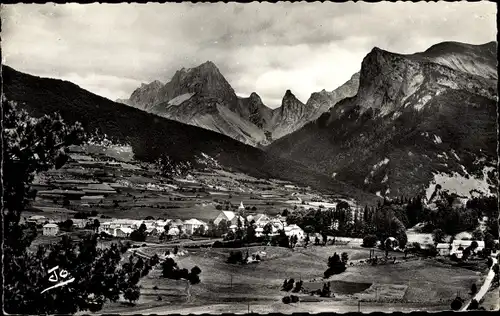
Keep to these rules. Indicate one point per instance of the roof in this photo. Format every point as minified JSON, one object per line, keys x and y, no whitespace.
{"x":126,"y":230}
{"x":466,"y":243}
{"x":193,"y":221}
{"x":443,"y":246}
{"x":229,"y":214}
{"x":50,"y":226}
{"x":37,"y":217}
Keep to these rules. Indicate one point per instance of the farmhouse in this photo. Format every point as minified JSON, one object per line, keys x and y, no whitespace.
{"x":79,"y":223}
{"x":37,"y":219}
{"x":443,"y":249}
{"x":50,"y":230}
{"x":122,"y":232}
{"x":260,"y":219}
{"x":190,"y":226}
{"x":229,"y":216}
{"x":294,"y":230}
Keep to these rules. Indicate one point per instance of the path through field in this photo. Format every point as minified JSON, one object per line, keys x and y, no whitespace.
{"x":485,"y":287}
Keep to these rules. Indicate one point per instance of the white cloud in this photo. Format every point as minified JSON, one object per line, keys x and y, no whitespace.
{"x":262,"y":47}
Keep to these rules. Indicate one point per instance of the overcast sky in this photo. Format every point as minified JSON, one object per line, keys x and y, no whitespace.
{"x":110,"y":49}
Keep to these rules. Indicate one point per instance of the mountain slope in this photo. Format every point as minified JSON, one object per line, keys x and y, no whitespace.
{"x":151,"y":135}
{"x":202,"y":97}
{"x":417,"y":120}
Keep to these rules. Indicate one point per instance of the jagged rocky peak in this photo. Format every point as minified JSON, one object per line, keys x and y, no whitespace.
{"x":255,"y":97}
{"x":144,"y":97}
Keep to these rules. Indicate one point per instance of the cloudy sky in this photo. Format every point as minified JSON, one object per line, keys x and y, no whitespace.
{"x":110,"y":49}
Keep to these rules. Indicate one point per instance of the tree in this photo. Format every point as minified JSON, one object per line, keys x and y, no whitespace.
{"x":96,"y":224}
{"x":438,"y":235}
{"x":268,"y":229}
{"x":306,"y":240}
{"x":474,"y":304}
{"x":489,"y":241}
{"x":473,"y":289}
{"x":335,"y":265}
{"x":399,"y":232}
{"x":171,"y":270}
{"x":369,"y":241}
{"x":457,"y":303}
{"x":344,"y":257}
{"x":30,"y":146}
{"x":298,"y":286}
{"x":283,"y":240}
{"x":477,"y":235}
{"x":223,"y":227}
{"x":284,"y":213}
{"x":67,"y":225}
{"x":132,"y":293}
{"x":250,"y":233}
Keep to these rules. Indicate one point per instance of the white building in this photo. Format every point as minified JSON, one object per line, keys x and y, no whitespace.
{"x":79,"y":223}
{"x":443,"y":249}
{"x":190,"y":226}
{"x":37,"y":219}
{"x":50,"y":230}
{"x":122,"y":232}
{"x":459,"y":245}
{"x":294,"y":230}
{"x":229,"y":216}
{"x":260,"y":219}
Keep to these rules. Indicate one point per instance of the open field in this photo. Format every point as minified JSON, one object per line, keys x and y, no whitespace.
{"x":408,"y":285}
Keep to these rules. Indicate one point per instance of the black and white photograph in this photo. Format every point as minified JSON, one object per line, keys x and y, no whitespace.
{"x":249,"y":158}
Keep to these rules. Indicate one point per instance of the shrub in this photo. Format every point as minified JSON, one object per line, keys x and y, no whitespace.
{"x":335,"y":265}
{"x":288,"y":285}
{"x":326,"y":292}
{"x":286,"y":300}
{"x":473,"y":289}
{"x":473,"y":305}
{"x":235,"y":257}
{"x":489,"y":262}
{"x":298,"y":287}
{"x":456,"y":304}
{"x":369,"y":241}
{"x":294,"y":298}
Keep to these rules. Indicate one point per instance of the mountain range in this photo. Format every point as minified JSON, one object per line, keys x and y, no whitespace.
{"x":401,"y":126}
{"x":202,"y":97}
{"x":416,"y":121}
{"x":151,"y":135}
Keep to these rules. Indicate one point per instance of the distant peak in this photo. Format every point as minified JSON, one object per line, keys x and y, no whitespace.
{"x":289,"y":93}
{"x":254,"y":95}
{"x":208,"y":64}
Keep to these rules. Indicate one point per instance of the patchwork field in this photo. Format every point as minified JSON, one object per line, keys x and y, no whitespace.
{"x":410,"y":285}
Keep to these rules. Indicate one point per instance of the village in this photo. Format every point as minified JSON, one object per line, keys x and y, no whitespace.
{"x":101,"y":189}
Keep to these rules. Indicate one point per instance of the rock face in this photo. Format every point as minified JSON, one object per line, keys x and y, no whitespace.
{"x":201,"y":96}
{"x":322,"y":101}
{"x":293,"y":114}
{"x":145,"y":96}
{"x":416,"y":120}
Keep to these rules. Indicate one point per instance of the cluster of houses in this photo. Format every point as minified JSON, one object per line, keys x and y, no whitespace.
{"x":457,"y":247}
{"x":260,"y":221}
{"x":124,"y":227}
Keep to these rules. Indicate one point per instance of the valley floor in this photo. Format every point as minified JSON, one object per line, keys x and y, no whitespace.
{"x":407,"y":285}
